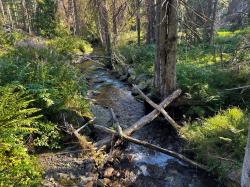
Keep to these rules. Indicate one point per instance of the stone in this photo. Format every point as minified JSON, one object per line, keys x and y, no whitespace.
{"x":90,"y":184}
{"x":106,"y":181}
{"x":59,"y":176}
{"x":108,"y":172}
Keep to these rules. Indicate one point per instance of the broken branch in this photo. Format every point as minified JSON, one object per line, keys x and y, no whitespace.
{"x":154,"y":147}
{"x":144,"y":120}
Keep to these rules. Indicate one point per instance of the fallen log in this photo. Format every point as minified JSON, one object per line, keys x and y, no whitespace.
{"x":159,"y":108}
{"x":144,"y":120}
{"x":152,"y":146}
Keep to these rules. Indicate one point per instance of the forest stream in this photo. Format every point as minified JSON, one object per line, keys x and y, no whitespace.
{"x":134,"y":165}
{"x":145,"y":167}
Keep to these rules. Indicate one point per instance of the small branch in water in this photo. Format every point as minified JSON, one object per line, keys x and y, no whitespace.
{"x":90,"y":121}
{"x":154,"y":147}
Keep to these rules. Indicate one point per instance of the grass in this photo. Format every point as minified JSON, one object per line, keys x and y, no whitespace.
{"x":219,"y":141}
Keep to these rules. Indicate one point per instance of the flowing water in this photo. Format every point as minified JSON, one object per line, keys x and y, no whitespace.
{"x":146,"y":167}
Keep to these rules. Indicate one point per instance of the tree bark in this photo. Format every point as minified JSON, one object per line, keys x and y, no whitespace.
{"x":76,"y":18}
{"x":245,"y":178}
{"x":157,"y":61}
{"x":114,"y":20}
{"x":138,"y":22}
{"x":150,"y":21}
{"x":167,"y":49}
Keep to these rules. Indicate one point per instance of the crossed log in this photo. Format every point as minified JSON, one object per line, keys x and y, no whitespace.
{"x":141,"y":123}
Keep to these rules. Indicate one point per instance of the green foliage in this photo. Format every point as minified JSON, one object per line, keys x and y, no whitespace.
{"x":70,"y":45}
{"x":56,"y":84}
{"x":142,"y":58}
{"x":45,"y":21}
{"x":219,"y":141}
{"x":17,"y":121}
{"x":17,"y":167}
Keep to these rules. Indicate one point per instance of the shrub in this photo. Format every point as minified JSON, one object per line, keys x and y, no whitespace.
{"x":16,"y":122}
{"x":69,"y":45}
{"x":56,"y":85}
{"x":219,"y":141}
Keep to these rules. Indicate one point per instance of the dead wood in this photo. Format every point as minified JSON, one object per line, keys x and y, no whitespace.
{"x":144,"y":120}
{"x":159,"y":108}
{"x":152,"y":146}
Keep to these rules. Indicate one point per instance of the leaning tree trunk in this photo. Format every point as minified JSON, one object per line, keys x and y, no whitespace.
{"x":167,"y":46}
{"x":245,"y":178}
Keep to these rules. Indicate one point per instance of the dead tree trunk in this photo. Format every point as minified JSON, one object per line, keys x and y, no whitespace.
{"x":160,"y":109}
{"x":245,"y":178}
{"x":167,"y":49}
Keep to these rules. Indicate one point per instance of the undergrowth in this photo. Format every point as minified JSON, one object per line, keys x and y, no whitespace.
{"x":219,"y":141}
{"x":37,"y":84}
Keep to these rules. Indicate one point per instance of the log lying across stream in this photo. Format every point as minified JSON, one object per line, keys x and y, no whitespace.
{"x":143,"y":121}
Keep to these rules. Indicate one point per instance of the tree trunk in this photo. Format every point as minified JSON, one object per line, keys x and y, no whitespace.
{"x":167,"y":48}
{"x":2,"y":11}
{"x":248,"y":12}
{"x":114,"y":21}
{"x":10,"y":19}
{"x":26,"y":24}
{"x":150,"y":21}
{"x":103,"y":26}
{"x":215,"y":5}
{"x":157,"y":41}
{"x":245,"y":178}
{"x":76,"y":19}
{"x":138,"y":22}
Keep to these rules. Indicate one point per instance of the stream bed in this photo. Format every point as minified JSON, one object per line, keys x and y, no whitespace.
{"x":143,"y":167}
